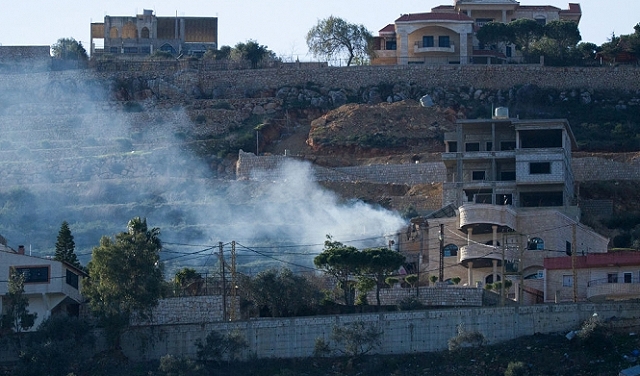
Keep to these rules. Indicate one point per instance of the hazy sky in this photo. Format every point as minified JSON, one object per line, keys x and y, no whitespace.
{"x":281,"y":25}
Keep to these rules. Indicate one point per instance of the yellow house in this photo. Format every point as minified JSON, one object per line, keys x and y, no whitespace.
{"x":446,"y":35}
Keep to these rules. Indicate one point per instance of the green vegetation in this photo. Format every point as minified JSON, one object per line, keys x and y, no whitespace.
{"x":65,"y":246}
{"x":69,"y":49}
{"x":334,"y":37}
{"x":16,"y":317}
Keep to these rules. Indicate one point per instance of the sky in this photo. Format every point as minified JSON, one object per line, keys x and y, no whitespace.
{"x":281,"y":25}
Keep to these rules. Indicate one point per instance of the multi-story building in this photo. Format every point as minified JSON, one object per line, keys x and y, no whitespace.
{"x":146,"y":33}
{"x":52,"y":287}
{"x":446,"y":35}
{"x":508,"y":205}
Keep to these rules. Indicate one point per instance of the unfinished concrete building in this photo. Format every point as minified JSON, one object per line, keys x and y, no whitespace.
{"x":508,"y":204}
{"x":145,"y":33}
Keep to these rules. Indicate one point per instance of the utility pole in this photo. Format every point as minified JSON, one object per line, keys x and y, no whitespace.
{"x":224,"y":284}
{"x":234,"y":282}
{"x":504,"y":279}
{"x":574,"y":254}
{"x":441,"y":266}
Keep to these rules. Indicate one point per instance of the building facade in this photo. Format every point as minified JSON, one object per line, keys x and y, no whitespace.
{"x":146,"y":33}
{"x":446,"y":35}
{"x":508,"y":204}
{"x":53,"y":287}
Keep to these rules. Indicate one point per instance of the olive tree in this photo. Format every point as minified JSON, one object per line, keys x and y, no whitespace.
{"x":334,"y":37}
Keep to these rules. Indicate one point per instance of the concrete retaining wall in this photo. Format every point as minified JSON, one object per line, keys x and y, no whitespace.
{"x":404,"y":332}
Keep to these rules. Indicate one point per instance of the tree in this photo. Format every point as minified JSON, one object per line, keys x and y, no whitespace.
{"x":495,"y":33}
{"x":379,"y":263}
{"x":184,"y":278}
{"x":525,"y":32}
{"x":281,"y":292}
{"x":341,"y":261}
{"x":253,"y":52}
{"x":69,"y":49}
{"x":125,"y":276}
{"x":65,"y":246}
{"x":333,"y":37}
{"x":16,"y":315}
{"x":565,"y":34}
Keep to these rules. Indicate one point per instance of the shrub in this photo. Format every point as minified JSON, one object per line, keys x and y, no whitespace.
{"x":409,"y":303}
{"x":177,"y":366}
{"x":516,"y":369}
{"x":466,"y":338}
{"x":411,"y":279}
{"x":219,"y":347}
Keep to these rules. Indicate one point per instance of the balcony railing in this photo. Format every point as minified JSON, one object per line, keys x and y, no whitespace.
{"x":482,"y":255}
{"x":418,"y":47}
{"x":501,"y":215}
{"x":609,"y":289}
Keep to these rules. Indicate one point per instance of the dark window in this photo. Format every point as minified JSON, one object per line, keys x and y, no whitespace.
{"x":453,"y":146}
{"x":507,"y":175}
{"x":539,"y":168}
{"x":145,"y":50}
{"x":627,"y":277}
{"x":504,"y":199}
{"x":535,"y":244}
{"x":472,"y":146}
{"x":507,"y":145}
{"x":612,"y":277}
{"x":541,"y":21}
{"x":509,"y":53}
{"x":36,"y":274}
{"x":144,"y":34}
{"x":478,"y":175}
{"x":567,"y":248}
{"x":131,"y":50}
{"x":483,"y":199}
{"x":545,"y":138}
{"x":72,"y":279}
{"x":489,"y":146}
{"x":450,"y":250}
{"x":427,"y":41}
{"x":443,"y":41}
{"x":391,"y":45}
{"x":538,"y":199}
{"x":114,"y":50}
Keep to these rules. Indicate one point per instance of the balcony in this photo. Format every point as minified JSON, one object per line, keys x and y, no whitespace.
{"x":482,"y":255}
{"x":418,"y":48}
{"x":500,"y":215}
{"x":604,"y":290}
{"x":386,"y":53}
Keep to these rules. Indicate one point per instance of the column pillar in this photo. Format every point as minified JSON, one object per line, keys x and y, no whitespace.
{"x":495,"y":270}
{"x":495,"y":235}
{"x":470,"y":274}
{"x":464,"y":55}
{"x":403,"y":59}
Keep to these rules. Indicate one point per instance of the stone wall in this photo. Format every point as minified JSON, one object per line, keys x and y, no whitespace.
{"x":458,"y":296}
{"x":404,"y":332}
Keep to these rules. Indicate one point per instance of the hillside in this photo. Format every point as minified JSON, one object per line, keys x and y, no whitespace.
{"x":95,"y":149}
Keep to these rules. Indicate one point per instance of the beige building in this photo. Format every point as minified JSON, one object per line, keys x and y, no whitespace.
{"x":145,"y":33}
{"x":508,"y":205}
{"x":446,"y":35}
{"x":53,"y":287}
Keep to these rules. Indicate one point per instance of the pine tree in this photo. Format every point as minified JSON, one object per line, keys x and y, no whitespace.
{"x":65,"y":246}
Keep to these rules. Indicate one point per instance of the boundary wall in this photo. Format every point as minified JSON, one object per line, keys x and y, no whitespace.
{"x":403,"y":332}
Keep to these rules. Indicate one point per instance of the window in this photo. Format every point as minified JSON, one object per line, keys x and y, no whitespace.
{"x":482,"y":21}
{"x":144,"y":34}
{"x":540,"y":168}
{"x":472,"y":146}
{"x":567,"y":248}
{"x":541,"y":20}
{"x":34,"y":274}
{"x":72,"y":279}
{"x":131,"y":50}
{"x":504,"y":199}
{"x":535,"y":244}
{"x":114,"y":50}
{"x":483,"y":198}
{"x":489,"y":146}
{"x":507,"y":175}
{"x":612,"y":277}
{"x":627,"y":277}
{"x":443,"y":41}
{"x":390,"y":45}
{"x":507,"y":145}
{"x":508,"y":51}
{"x":427,"y":41}
{"x":453,"y":146}
{"x":567,"y":281}
{"x":450,"y":250}
{"x":477,"y":175}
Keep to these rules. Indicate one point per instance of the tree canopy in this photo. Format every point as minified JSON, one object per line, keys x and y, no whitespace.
{"x":379,"y":263}
{"x":16,"y":316}
{"x":253,"y":52}
{"x":65,"y":246}
{"x":125,"y":276}
{"x":341,"y":261}
{"x":69,"y":49}
{"x":334,"y":37}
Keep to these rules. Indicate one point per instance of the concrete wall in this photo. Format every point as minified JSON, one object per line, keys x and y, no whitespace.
{"x":404,"y":332}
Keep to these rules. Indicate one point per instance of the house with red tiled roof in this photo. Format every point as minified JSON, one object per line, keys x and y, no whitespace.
{"x":446,"y":35}
{"x":597,"y":276}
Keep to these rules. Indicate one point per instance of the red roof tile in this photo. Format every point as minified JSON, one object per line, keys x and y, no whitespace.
{"x":390,"y":28}
{"x":437,"y":16}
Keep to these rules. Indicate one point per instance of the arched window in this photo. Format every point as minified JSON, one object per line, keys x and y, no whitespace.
{"x":535,"y":244}
{"x":113,"y":32}
{"x":450,"y":250}
{"x":489,"y":279}
{"x":144,"y":33}
{"x":490,"y":242}
{"x":167,"y":48}
{"x":129,"y":31}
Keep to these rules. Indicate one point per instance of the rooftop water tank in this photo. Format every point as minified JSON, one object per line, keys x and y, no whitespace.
{"x":501,"y":113}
